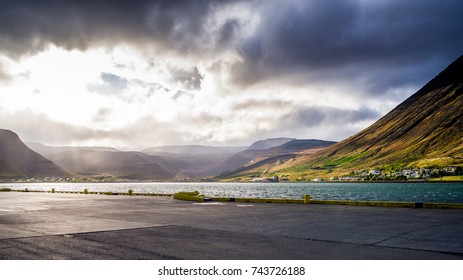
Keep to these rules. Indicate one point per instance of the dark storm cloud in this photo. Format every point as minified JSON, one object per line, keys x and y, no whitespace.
{"x":228,"y":31}
{"x":27,"y":26}
{"x":351,"y":38}
{"x":312,"y":40}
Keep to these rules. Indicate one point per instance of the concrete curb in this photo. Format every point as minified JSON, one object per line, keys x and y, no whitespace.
{"x":197,"y":197}
{"x":308,"y":200}
{"x":101,"y":193}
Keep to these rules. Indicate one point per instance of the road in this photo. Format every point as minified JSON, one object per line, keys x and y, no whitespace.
{"x":77,"y":226}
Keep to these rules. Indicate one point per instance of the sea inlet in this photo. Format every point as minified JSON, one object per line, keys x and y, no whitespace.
{"x":364,"y":191}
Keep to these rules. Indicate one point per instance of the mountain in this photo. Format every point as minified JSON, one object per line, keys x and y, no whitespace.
{"x":193,"y":150}
{"x":91,"y":161}
{"x":299,"y":145}
{"x":46,"y":151}
{"x":424,"y":130}
{"x":261,"y":161}
{"x":269,"y":143}
{"x":256,"y":150}
{"x":195,"y":160}
{"x":129,"y":165}
{"x":17,"y":160}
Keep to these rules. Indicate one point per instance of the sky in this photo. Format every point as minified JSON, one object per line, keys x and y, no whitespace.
{"x":139,"y":74}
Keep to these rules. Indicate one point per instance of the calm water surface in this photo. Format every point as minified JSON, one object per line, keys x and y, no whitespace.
{"x":414,"y":192}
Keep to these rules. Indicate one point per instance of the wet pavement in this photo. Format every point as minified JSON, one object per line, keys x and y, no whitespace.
{"x":77,"y":226}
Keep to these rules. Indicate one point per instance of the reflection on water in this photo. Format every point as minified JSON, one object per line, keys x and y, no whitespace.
{"x":415,"y":192}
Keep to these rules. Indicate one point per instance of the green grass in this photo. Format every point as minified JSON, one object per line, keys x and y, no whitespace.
{"x":346,"y":159}
{"x":324,"y":163}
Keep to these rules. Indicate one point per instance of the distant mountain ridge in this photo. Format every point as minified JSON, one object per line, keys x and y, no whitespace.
{"x":269,"y":143}
{"x":17,"y":160}
{"x":301,"y":145}
{"x":46,"y":151}
{"x":254,"y":160}
{"x":128,"y":165}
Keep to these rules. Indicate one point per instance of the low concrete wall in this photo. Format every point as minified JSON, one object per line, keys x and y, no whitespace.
{"x":307,"y":200}
{"x":197,"y":197}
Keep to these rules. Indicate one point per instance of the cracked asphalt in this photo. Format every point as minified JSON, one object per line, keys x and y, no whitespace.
{"x":76,"y":226}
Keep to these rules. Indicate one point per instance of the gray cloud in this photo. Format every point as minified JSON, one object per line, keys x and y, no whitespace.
{"x":228,"y":32}
{"x":102,"y":115}
{"x":4,"y":77}
{"x":319,"y":116}
{"x":187,"y":79}
{"x":254,"y":104}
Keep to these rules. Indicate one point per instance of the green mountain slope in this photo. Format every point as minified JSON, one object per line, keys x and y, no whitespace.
{"x":426,"y":129}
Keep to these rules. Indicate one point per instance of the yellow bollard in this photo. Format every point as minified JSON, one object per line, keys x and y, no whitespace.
{"x":307,"y":198}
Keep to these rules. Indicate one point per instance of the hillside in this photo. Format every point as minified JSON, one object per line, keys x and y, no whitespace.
{"x":128,"y":165}
{"x":424,"y":130}
{"x":195,"y":160}
{"x":262,"y":161}
{"x":17,"y":160}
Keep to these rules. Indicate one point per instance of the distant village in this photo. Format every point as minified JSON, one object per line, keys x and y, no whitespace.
{"x":404,"y":174}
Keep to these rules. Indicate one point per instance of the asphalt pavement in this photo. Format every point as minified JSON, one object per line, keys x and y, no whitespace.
{"x":78,"y":226}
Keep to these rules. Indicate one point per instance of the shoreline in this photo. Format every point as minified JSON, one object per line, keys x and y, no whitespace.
{"x":197,"y":197}
{"x":238,"y":182}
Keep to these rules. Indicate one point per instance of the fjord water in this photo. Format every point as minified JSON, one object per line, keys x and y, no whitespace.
{"x":391,"y":191}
